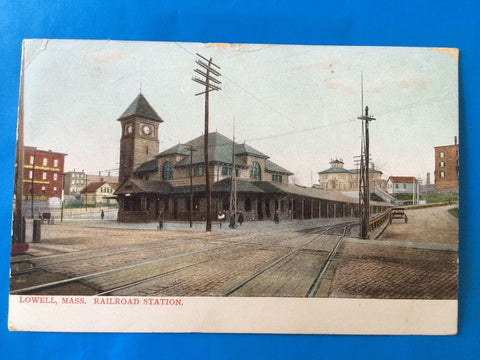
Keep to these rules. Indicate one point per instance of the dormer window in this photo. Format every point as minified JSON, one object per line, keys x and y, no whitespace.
{"x":255,"y":171}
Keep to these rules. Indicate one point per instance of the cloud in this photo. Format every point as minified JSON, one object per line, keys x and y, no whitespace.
{"x":341,"y":84}
{"x":412,"y":83}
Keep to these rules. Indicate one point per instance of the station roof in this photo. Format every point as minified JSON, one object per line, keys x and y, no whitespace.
{"x":220,"y":152}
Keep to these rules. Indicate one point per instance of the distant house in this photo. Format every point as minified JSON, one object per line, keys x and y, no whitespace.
{"x":401,"y":184}
{"x":99,"y":193}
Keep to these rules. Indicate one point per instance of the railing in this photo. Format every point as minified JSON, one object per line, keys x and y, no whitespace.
{"x":380,"y":219}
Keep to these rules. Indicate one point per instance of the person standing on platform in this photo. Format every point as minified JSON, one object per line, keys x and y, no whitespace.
{"x":160,"y":221}
{"x":240,"y":218}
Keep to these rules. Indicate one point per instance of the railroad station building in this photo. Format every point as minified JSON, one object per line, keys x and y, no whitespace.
{"x":153,"y":183}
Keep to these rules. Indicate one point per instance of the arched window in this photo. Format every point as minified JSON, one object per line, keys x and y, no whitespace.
{"x":167,"y":173}
{"x":255,"y":171}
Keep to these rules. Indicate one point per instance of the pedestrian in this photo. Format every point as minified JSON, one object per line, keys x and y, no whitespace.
{"x":102,"y":214}
{"x":276,"y":217}
{"x":221,"y":218}
{"x":240,"y":218}
{"x":160,"y":221}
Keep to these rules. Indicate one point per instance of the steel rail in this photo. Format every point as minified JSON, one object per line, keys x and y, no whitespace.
{"x":290,"y":253}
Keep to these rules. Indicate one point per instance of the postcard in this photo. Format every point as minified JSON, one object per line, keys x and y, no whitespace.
{"x":235,"y":188}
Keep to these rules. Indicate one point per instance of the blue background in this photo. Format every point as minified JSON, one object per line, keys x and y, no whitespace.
{"x":437,"y":23}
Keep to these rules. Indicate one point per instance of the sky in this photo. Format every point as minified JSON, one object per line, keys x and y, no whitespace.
{"x":297,"y":104}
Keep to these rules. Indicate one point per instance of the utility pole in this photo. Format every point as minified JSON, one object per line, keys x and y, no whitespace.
{"x":364,"y":185}
{"x":211,"y":84}
{"x":233,"y":183}
{"x":18,"y":230}
{"x":32,"y":190}
{"x":192,"y":149}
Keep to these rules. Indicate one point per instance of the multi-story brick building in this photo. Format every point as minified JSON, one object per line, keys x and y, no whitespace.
{"x":43,"y":174}
{"x":337,"y":178}
{"x":446,"y":166}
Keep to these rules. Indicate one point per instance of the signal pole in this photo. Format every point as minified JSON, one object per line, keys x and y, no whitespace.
{"x":364,"y":184}
{"x":211,"y":84}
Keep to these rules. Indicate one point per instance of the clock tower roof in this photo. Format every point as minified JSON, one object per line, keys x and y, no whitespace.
{"x":141,"y":108}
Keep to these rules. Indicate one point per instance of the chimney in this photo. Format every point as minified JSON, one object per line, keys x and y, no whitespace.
{"x":109,"y":173}
{"x":428,"y":178}
{"x":455,"y":140}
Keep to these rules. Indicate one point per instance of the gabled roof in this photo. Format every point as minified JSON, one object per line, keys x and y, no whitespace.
{"x":180,"y":149}
{"x":219,"y":151}
{"x":270,"y":166}
{"x":140,"y":107}
{"x":94,"y":186}
{"x":402,"y":179}
{"x":149,"y":166}
{"x":244,"y":149}
{"x":134,"y":186}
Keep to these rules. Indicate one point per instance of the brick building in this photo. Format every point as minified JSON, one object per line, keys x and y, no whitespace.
{"x":446,"y":166}
{"x":151,"y":183}
{"x":43,"y":174}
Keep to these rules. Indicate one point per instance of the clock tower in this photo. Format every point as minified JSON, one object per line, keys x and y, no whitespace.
{"x":139,"y":142}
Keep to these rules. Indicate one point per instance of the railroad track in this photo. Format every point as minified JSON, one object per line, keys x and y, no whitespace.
{"x":195,"y":257}
{"x":293,"y":252}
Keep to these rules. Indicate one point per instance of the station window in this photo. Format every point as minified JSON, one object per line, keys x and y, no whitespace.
{"x":54,"y":189}
{"x":43,"y":190}
{"x":255,"y":171}
{"x":31,"y":160}
{"x":30,"y":174}
{"x":442,"y":174}
{"x":442,"y":154}
{"x":276,"y":178}
{"x":44,"y":176}
{"x":45,"y":161}
{"x":55,"y":176}
{"x":167,"y":171}
{"x":442,"y":164}
{"x":55,"y":162}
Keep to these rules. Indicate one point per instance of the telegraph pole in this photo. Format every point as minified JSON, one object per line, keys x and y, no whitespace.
{"x":364,"y":184}
{"x":32,"y":185}
{"x":233,"y":183}
{"x":191,"y":149}
{"x":211,"y":84}
{"x":18,"y":230}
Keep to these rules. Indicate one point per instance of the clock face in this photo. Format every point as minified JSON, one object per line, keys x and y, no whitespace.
{"x":146,"y":129}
